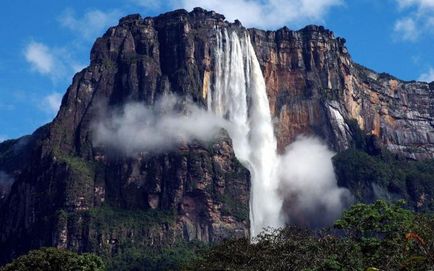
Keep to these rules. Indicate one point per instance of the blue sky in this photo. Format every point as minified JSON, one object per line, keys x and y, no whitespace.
{"x":45,"y":42}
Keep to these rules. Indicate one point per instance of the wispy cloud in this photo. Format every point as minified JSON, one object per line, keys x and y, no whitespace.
{"x":91,"y":23}
{"x":266,"y":13}
{"x":406,"y":29}
{"x":148,"y":4}
{"x":54,"y":62}
{"x":137,"y":128}
{"x":427,"y":76}
{"x":51,"y":103}
{"x":421,"y":4}
{"x":3,"y":138}
{"x":7,"y":106}
{"x":419,"y":19}
{"x":39,"y":57}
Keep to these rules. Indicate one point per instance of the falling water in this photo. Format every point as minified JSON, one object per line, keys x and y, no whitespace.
{"x":302,"y":177}
{"x":240,"y":96}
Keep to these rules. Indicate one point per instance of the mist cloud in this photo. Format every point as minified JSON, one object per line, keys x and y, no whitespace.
{"x":308,"y":185}
{"x":170,"y":122}
{"x":307,"y":188}
{"x":6,"y":182}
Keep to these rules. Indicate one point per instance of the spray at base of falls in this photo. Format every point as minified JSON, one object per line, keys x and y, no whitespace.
{"x":239,"y":95}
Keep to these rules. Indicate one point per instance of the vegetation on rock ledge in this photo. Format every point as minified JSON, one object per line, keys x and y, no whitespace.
{"x":371,"y":172}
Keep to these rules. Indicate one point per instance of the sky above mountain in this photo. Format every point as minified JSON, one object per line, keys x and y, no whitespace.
{"x":44,"y":43}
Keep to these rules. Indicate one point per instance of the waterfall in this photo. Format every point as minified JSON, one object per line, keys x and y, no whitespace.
{"x":240,"y":96}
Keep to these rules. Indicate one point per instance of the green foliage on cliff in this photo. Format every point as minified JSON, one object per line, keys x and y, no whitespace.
{"x":52,"y":259}
{"x":386,"y":176}
{"x":110,"y":218}
{"x":232,"y":207}
{"x":79,"y":165}
{"x":379,"y":236}
{"x":125,"y":239}
{"x":371,"y":173}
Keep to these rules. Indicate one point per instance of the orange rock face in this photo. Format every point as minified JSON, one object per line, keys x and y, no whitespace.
{"x":315,"y":88}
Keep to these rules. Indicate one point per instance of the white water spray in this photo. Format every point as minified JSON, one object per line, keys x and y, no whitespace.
{"x":240,"y":96}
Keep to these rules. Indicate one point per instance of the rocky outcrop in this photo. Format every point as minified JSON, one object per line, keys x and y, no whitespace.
{"x":315,"y":88}
{"x":66,"y":188}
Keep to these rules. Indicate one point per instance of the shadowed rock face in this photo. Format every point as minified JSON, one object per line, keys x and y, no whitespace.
{"x":64,"y":184}
{"x":62,"y":179}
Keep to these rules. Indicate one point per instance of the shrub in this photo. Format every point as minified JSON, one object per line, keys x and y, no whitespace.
{"x":53,"y":259}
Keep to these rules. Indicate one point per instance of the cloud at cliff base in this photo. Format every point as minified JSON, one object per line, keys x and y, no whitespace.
{"x":266,"y":14}
{"x":162,"y":127}
{"x":308,"y":185}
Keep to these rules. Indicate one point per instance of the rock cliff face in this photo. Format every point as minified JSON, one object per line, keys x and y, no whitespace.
{"x":315,"y":88}
{"x":66,"y":188}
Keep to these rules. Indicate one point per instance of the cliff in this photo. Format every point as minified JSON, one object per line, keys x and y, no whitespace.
{"x":70,"y":193}
{"x":315,"y":88}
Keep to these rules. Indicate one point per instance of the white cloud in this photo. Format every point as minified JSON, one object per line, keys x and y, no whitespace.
{"x":427,"y":76}
{"x":3,"y":138}
{"x":91,"y":24}
{"x":51,"y":103}
{"x":406,"y":29}
{"x":421,"y":4}
{"x":308,"y":184}
{"x":419,"y":19}
{"x":54,"y":62}
{"x":267,"y":13}
{"x":138,"y":128}
{"x":148,"y":4}
{"x":40,"y":57}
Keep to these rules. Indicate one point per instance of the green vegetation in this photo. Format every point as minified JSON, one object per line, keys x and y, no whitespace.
{"x":371,"y":172}
{"x":124,"y":238}
{"x":379,"y":236}
{"x":234,"y":208}
{"x":79,"y":165}
{"x":110,"y":218}
{"x":177,"y":257}
{"x":53,"y":259}
{"x":132,"y":239}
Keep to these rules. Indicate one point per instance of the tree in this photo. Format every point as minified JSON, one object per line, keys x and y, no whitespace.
{"x":379,"y":236}
{"x":390,"y":236}
{"x":53,"y":259}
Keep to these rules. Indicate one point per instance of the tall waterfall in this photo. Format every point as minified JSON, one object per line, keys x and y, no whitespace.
{"x":240,"y":96}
